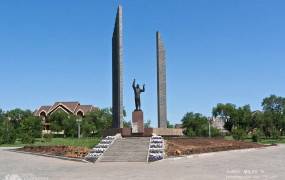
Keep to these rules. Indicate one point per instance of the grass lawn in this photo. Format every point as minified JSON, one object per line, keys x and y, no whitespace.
{"x":82,"y":142}
{"x":272,"y":141}
{"x":262,"y":140}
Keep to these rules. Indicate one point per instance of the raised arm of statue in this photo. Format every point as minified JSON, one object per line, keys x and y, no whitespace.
{"x":134,"y":84}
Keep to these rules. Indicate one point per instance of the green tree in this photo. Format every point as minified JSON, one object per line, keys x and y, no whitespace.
{"x":97,"y":121}
{"x":2,"y":115}
{"x":15,"y":116}
{"x":8,"y":133}
{"x":282,"y":125}
{"x":274,"y":109}
{"x":274,"y":103}
{"x":267,"y":124}
{"x":243,"y":117}
{"x":169,"y":125}
{"x":30,"y":128}
{"x":228,"y":112}
{"x":70,"y":126}
{"x":32,"y":125}
{"x":56,"y":120}
{"x":195,"y":124}
{"x":238,"y":134}
{"x":256,"y":121}
{"x":88,"y":127}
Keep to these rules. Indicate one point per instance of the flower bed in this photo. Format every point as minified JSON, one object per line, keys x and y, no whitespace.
{"x":188,"y":146}
{"x":65,"y":151}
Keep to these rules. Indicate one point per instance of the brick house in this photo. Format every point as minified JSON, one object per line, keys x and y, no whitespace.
{"x":73,"y":108}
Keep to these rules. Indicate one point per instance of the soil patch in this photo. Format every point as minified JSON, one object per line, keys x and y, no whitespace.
{"x":187,"y":146}
{"x":65,"y":151}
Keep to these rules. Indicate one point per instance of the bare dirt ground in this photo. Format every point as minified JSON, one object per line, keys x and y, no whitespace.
{"x":65,"y":151}
{"x":174,"y":147}
{"x":187,"y":146}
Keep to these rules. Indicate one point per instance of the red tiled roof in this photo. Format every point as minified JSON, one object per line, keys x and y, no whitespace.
{"x":71,"y":107}
{"x":85,"y":108}
{"x":42,"y":108}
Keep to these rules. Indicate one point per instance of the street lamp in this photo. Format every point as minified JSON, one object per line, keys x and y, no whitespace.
{"x":78,"y":120}
{"x":7,"y":124}
{"x":209,"y":122}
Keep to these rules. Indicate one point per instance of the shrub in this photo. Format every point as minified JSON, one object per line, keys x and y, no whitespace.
{"x":189,"y":132}
{"x":27,"y":139}
{"x":47,"y":137}
{"x":256,"y":135}
{"x":255,"y":138}
{"x":238,"y":134}
{"x":275,"y":134}
{"x":215,"y":132}
{"x":201,"y":130}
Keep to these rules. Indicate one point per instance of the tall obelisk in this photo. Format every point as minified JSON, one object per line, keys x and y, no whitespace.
{"x":161,"y":83}
{"x":117,"y":71}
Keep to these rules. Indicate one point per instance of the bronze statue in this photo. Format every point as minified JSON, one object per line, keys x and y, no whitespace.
{"x":138,"y":91}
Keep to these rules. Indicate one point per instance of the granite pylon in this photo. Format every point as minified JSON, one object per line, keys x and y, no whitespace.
{"x":161,"y":82}
{"x":117,"y":71}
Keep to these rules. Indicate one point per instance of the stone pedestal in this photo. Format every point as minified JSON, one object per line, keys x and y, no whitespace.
{"x":137,"y":122}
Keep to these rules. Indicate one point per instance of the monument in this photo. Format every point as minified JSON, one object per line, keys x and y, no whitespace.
{"x":117,"y":71}
{"x":117,"y":91}
{"x":137,"y":115}
{"x":137,"y":92}
{"x":161,"y":83}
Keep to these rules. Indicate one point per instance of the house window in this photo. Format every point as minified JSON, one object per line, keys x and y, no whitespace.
{"x":80,"y":113}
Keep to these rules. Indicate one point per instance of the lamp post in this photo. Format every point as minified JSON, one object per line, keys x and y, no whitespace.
{"x":209,"y":122}
{"x":78,"y":120}
{"x":7,"y":124}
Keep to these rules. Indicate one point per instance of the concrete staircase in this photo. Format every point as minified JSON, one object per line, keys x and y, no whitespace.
{"x":133,"y":149}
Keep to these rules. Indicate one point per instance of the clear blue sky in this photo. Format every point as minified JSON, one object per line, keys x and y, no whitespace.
{"x":217,"y":52}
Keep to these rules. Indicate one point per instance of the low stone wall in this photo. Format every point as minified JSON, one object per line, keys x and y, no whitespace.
{"x":113,"y":131}
{"x":148,"y":132}
{"x":168,"y":131}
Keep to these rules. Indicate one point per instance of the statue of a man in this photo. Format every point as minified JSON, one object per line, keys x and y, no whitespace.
{"x":138,"y":91}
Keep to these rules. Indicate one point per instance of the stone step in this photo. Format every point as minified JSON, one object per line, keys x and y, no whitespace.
{"x":123,"y":159}
{"x":134,"y":149}
{"x":134,"y":153}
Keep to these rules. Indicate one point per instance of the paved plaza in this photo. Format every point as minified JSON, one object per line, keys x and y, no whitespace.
{"x":265,"y":163}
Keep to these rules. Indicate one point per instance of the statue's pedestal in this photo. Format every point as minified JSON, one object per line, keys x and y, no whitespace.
{"x":137,"y":122}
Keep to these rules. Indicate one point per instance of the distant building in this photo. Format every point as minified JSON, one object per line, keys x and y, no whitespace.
{"x":72,"y":108}
{"x":178,"y":126}
{"x":219,"y":122}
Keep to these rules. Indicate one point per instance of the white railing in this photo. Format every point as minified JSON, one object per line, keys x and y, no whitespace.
{"x":156,"y":149}
{"x":97,"y":152}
